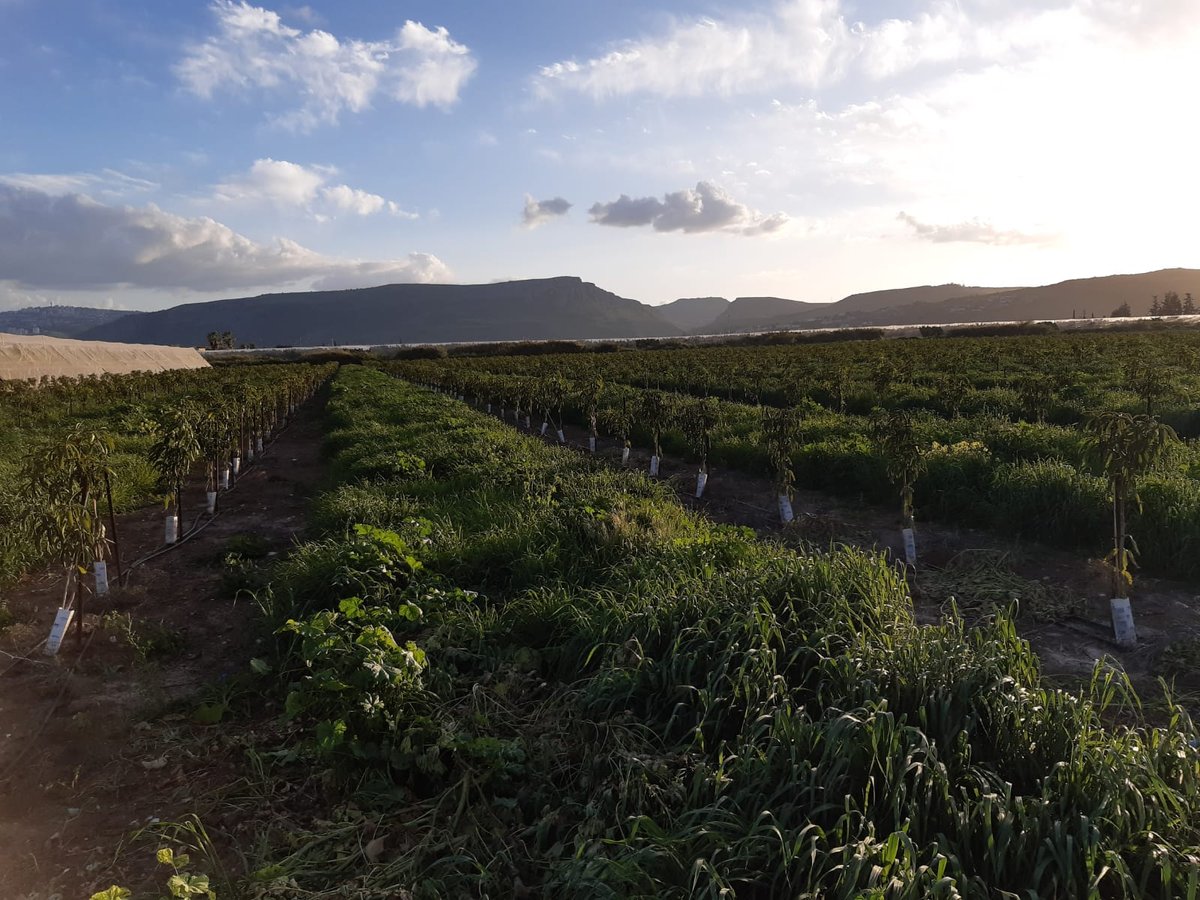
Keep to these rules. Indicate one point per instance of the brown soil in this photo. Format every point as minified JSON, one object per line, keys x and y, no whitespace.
{"x":1164,"y":611}
{"x":104,"y":740}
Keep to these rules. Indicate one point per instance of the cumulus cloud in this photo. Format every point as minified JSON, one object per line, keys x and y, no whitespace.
{"x":277,"y":182}
{"x":537,"y":212}
{"x":975,"y":231}
{"x":73,"y":242}
{"x":707,"y":207}
{"x":253,"y":50}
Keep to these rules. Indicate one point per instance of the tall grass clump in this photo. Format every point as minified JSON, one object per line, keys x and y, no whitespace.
{"x":541,"y":678}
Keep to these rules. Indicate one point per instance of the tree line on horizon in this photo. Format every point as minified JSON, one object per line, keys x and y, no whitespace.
{"x":1170,"y":305}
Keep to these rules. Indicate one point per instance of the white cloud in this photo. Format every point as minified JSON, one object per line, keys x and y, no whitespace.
{"x":106,"y":182}
{"x":537,"y":212}
{"x":705,"y":208}
{"x":277,"y":182}
{"x":73,"y":242}
{"x":975,"y":231}
{"x":253,"y":50}
{"x":813,"y":44}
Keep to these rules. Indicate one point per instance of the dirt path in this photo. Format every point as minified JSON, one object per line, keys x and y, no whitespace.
{"x":94,"y":746}
{"x":1165,"y":611}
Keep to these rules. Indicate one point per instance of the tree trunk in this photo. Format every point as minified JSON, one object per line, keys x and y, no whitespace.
{"x":112,"y":523}
{"x":1118,"y":577}
{"x":78,"y":610}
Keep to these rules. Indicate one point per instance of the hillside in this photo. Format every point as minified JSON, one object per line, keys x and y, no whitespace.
{"x":538,"y":309}
{"x":692,"y":313}
{"x":759,"y":313}
{"x":58,"y":321}
{"x":1078,"y":297}
{"x":935,"y":304}
{"x":871,"y":308}
{"x":878,"y":301}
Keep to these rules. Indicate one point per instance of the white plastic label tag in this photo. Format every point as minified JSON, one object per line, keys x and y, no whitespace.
{"x":910,"y":547}
{"x":58,"y":630}
{"x":785,"y":509}
{"x":100,"y":570}
{"x":1122,"y":618}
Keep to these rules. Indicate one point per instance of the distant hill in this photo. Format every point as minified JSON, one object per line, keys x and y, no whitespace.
{"x":58,"y":321}
{"x":936,"y":304}
{"x":872,"y":308}
{"x":877,"y":301}
{"x":1078,"y":297}
{"x":692,"y":313}
{"x":761,"y":313}
{"x":538,"y":309}
{"x":569,"y":308}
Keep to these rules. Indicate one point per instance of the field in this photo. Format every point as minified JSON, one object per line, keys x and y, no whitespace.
{"x":498,"y":667}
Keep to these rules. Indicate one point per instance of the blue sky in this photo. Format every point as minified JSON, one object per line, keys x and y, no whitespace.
{"x":155,"y":153}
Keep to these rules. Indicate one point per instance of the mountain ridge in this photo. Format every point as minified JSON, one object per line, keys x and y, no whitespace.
{"x":569,"y":308}
{"x":562,"y":307}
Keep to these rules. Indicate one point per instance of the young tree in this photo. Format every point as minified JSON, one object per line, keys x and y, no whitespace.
{"x":616,"y":414}
{"x":1127,"y":448}
{"x":895,"y":435}
{"x":656,"y":412}
{"x":699,"y":418}
{"x":174,"y":450}
{"x":1121,"y":311}
{"x":214,"y":434}
{"x":589,"y":399}
{"x":1037,"y":395}
{"x":1149,"y":380}
{"x":62,"y":514}
{"x":953,"y":390}
{"x":779,"y":433}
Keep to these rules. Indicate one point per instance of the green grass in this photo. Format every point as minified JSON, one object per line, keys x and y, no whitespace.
{"x":538,"y":676}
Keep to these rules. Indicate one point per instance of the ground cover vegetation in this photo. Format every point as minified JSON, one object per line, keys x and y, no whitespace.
{"x":1001,"y":423}
{"x":515,"y":671}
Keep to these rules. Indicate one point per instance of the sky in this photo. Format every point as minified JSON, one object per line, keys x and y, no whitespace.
{"x":160,"y":153}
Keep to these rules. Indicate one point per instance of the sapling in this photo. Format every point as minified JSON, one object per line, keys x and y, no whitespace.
{"x":699,"y":419}
{"x":654,"y":409}
{"x":616,"y":413}
{"x":1127,"y":447}
{"x":895,"y":436}
{"x":1151,"y":381}
{"x":953,"y":390}
{"x":556,"y":390}
{"x":174,"y":450}
{"x":62,"y":514}
{"x":589,"y":398}
{"x":780,"y":430}
{"x":213,"y":434}
{"x":1037,"y":393}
